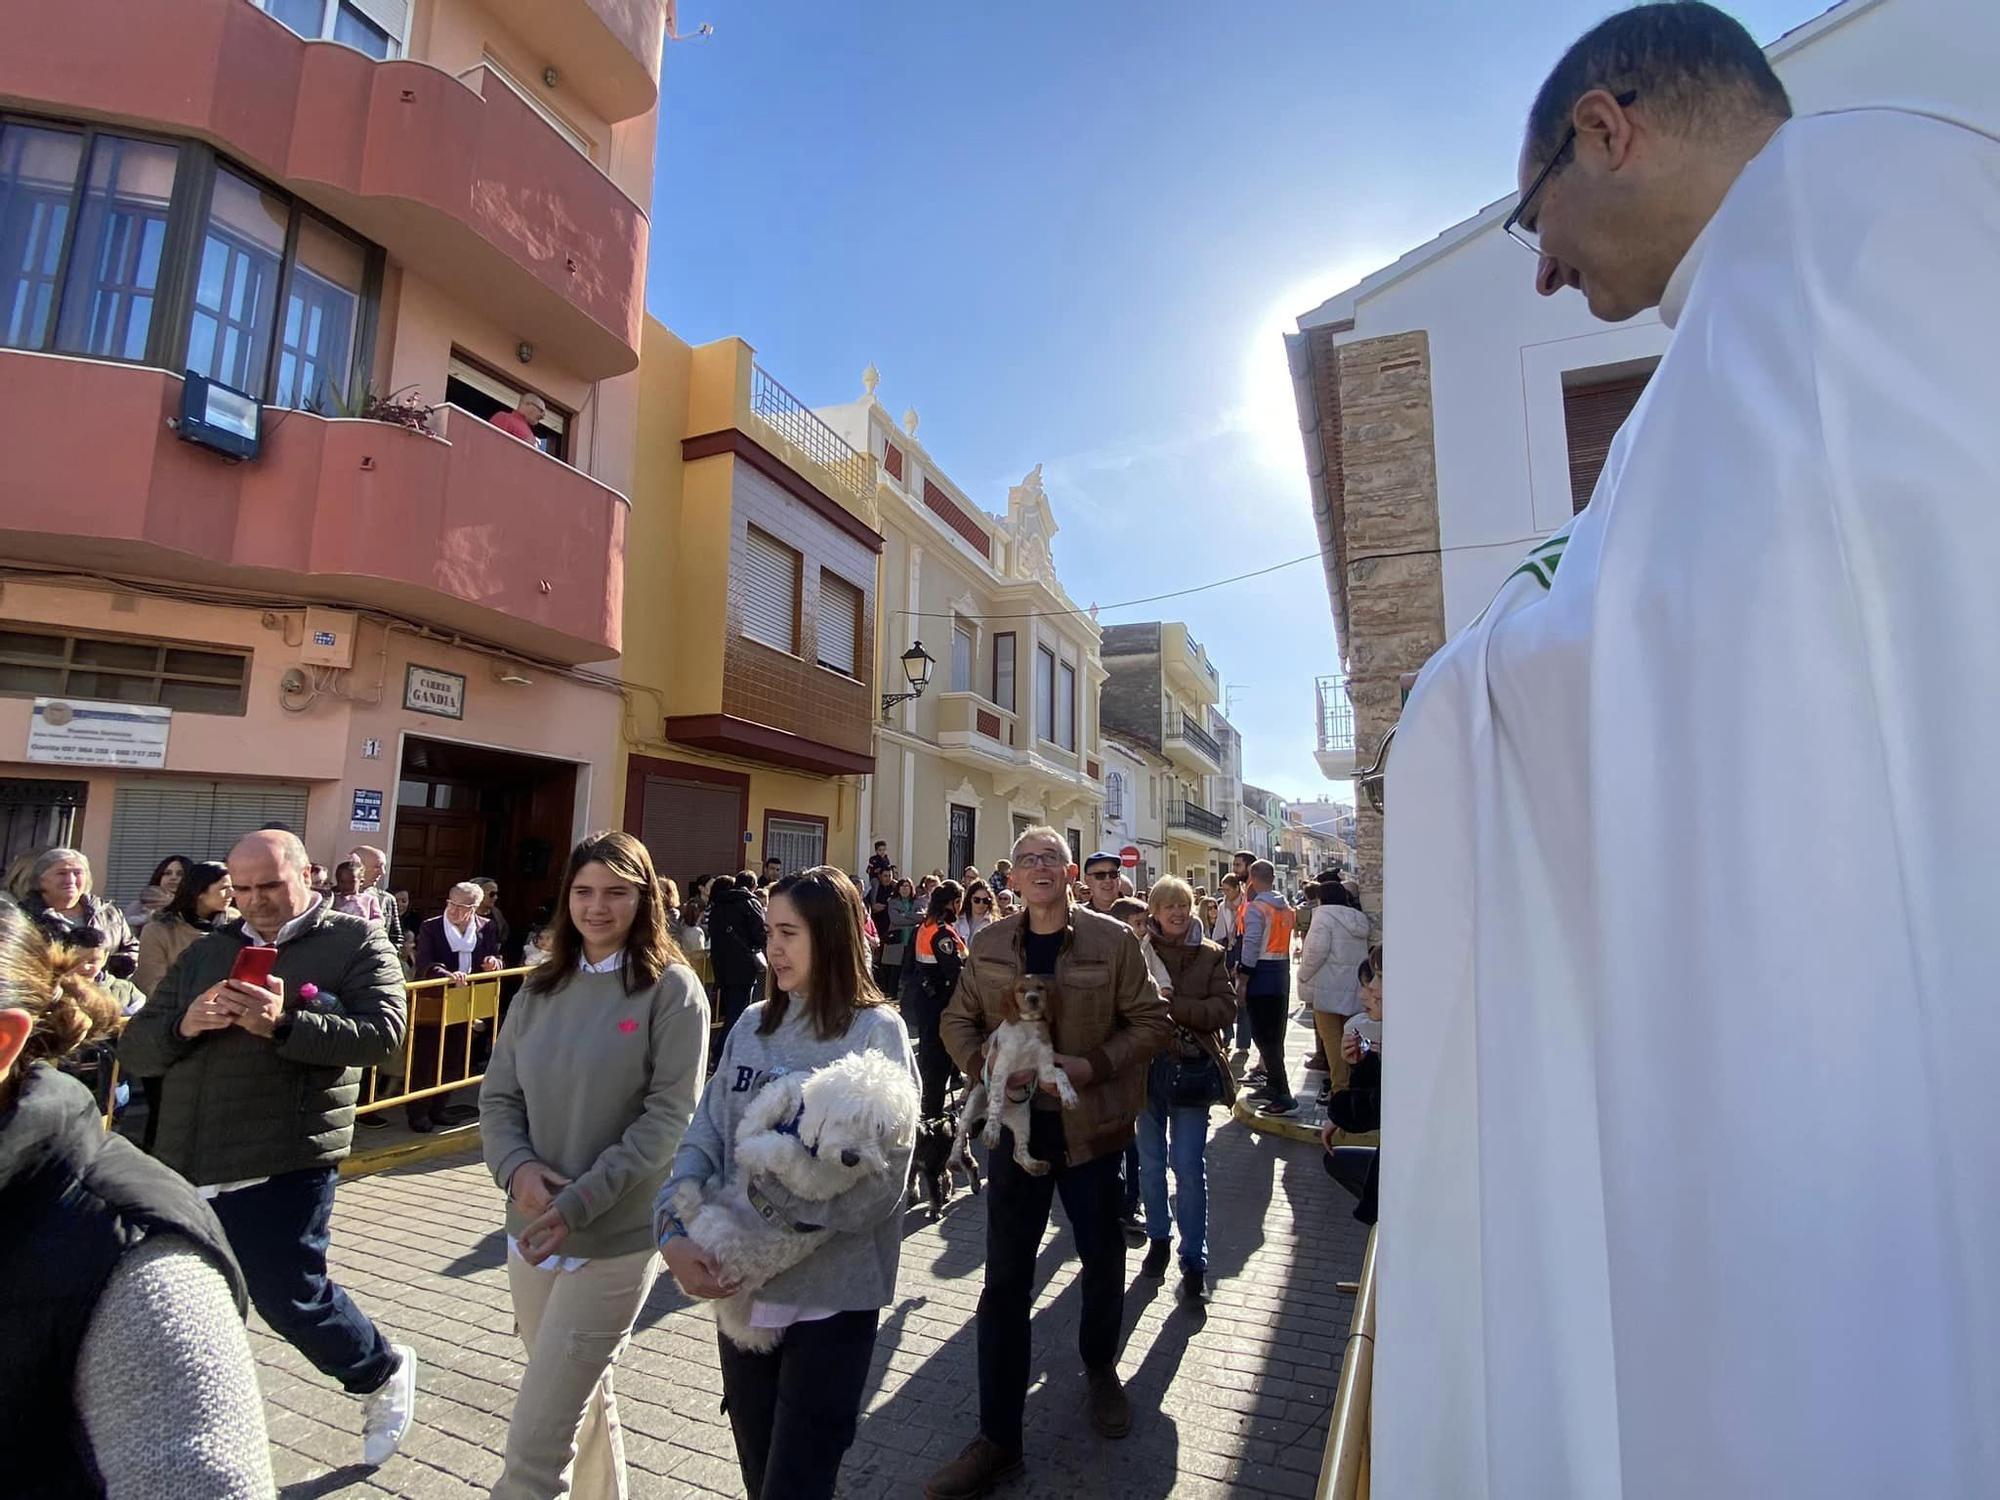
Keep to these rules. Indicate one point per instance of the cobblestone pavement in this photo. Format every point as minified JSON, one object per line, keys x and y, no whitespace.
{"x":1231,"y":1403}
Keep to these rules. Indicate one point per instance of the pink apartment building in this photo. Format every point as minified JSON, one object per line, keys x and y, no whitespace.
{"x":224,"y":224}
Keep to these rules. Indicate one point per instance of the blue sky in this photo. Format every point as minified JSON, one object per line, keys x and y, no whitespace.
{"x":1071,"y":233}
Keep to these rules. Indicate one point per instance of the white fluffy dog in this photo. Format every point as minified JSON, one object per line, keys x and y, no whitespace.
{"x":1021,"y":1043}
{"x":817,"y":1134}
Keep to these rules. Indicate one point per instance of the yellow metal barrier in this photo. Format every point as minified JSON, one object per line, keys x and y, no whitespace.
{"x":1344,"y":1473}
{"x":436,"y":1005}
{"x":432,"y":1007}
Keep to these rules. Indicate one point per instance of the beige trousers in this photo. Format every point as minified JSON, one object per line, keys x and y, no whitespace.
{"x":575,"y":1324}
{"x":1338,"y":1069}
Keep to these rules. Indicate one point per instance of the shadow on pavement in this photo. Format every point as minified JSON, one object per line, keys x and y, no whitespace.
{"x":330,"y":1483}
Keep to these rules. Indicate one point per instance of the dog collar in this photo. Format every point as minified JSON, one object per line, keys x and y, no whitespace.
{"x":771,"y":1215}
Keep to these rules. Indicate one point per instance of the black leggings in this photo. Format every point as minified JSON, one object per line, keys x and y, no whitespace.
{"x":793,"y":1411}
{"x":1267,"y":1024}
{"x":935,"y":1069}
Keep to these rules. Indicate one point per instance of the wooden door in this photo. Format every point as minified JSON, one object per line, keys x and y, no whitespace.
{"x":434,"y":851}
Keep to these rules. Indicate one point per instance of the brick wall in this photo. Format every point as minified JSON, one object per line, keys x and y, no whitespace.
{"x":1128,"y":705}
{"x":795,"y":693}
{"x":1127,"y":640}
{"x":956,"y":518}
{"x":1387,"y":475}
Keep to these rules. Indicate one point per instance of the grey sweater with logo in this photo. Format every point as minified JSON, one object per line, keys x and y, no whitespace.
{"x":855,"y":1268}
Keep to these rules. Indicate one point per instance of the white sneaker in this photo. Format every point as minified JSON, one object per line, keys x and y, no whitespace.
{"x":386,"y":1421}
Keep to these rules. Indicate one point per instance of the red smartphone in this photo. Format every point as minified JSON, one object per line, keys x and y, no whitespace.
{"x":253,"y":965}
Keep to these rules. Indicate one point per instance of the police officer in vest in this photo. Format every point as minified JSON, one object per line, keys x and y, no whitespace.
{"x":1266,"y":969}
{"x":127,"y":1369}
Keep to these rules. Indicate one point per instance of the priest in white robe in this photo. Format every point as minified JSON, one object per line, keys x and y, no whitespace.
{"x":1692,"y":879}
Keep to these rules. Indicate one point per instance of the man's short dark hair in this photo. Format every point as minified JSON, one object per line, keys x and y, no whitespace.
{"x":881,"y":843}
{"x":746,"y":880}
{"x":1690,"y":66}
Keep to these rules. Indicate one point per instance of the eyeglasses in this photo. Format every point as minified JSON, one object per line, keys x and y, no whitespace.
{"x":1101,"y":874}
{"x":1041,"y":862}
{"x":1527,"y":234}
{"x":981,"y":901}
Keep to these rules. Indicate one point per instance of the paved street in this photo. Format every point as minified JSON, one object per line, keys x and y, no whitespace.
{"x":1231,"y":1404}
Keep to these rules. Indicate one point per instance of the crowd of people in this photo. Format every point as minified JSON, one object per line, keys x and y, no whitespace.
{"x":599,"y":1101}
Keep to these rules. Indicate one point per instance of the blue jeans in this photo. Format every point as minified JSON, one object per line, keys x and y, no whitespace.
{"x":1179,"y":1135}
{"x":280,"y":1230}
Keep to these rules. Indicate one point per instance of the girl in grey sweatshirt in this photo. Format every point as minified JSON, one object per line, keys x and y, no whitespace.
{"x":821,"y":1007}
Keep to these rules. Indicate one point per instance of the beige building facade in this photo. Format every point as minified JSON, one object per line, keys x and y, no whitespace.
{"x":1005,"y":734}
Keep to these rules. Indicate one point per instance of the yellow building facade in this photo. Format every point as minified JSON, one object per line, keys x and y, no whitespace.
{"x":751,"y":579}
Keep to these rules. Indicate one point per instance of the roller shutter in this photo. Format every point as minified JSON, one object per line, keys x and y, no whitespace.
{"x":692,"y":828}
{"x":154,"y":818}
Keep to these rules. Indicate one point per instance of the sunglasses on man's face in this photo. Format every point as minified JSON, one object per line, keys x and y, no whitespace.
{"x":1103,"y":874}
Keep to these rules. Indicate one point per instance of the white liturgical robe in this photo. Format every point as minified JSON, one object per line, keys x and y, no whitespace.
{"x":1692,"y":1038}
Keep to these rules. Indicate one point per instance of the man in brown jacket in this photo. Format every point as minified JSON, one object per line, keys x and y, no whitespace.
{"x":1108,"y":1022}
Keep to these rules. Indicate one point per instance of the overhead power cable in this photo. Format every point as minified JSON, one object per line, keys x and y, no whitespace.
{"x":1048,"y":614}
{"x":1202,"y":588}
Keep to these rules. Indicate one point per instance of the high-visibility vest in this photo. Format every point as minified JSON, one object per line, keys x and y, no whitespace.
{"x":927,"y":936}
{"x":1279,"y":920}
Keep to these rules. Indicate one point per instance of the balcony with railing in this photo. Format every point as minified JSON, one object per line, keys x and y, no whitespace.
{"x":1193,"y":748}
{"x":974,"y":731}
{"x":1335,"y":752}
{"x":458,"y":179}
{"x":1192,"y":817}
{"x":1188,"y":670}
{"x":461,"y":526}
{"x":737,"y":407}
{"x":794,"y":424}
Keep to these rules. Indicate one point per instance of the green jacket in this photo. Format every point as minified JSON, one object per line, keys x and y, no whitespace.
{"x":237,"y":1105}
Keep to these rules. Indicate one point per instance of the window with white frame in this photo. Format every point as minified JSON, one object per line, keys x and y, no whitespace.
{"x":962,"y":649}
{"x":770,"y":591}
{"x":1045,"y":693}
{"x":376,"y":27}
{"x":1114,"y":794}
{"x":1066,"y":706}
{"x":839,"y":624}
{"x":1003,"y":670}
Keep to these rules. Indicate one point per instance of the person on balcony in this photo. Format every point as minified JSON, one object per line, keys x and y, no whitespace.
{"x":258,"y":1106}
{"x":522,"y":421}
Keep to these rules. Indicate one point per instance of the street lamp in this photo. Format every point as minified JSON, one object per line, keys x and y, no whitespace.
{"x":917,"y":666}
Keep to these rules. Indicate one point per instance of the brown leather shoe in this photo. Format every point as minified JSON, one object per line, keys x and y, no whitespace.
{"x":1110,"y":1410}
{"x":982,"y":1465}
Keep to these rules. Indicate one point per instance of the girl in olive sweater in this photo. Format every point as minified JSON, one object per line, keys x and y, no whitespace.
{"x":591,"y":1086}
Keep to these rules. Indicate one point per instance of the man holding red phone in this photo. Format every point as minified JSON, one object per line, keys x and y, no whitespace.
{"x":261,"y":1106}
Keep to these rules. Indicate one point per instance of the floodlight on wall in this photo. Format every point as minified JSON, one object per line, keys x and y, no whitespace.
{"x":215,"y":416}
{"x":917,"y":666}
